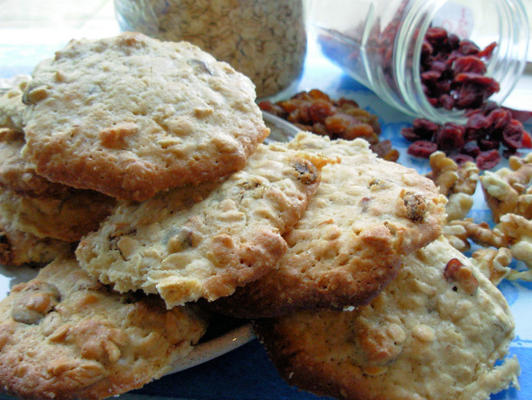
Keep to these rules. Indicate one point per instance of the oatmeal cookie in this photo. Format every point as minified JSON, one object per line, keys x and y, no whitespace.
{"x":11,"y":105}
{"x":366,"y":214}
{"x":17,"y":248}
{"x":130,"y":116}
{"x":17,"y":174}
{"x":67,"y":217}
{"x":63,"y":335}
{"x":204,"y":241}
{"x":434,"y":333}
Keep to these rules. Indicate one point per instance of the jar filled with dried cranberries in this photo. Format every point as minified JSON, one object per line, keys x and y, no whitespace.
{"x":435,"y":59}
{"x":266,"y":40}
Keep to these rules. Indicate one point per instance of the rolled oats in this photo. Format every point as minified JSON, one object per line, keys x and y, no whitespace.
{"x":265,"y":40}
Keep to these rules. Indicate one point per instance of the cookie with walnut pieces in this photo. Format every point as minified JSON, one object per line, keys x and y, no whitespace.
{"x":130,"y":116}
{"x":204,"y":241}
{"x":366,"y":214}
{"x":435,"y":333}
{"x":63,"y":335}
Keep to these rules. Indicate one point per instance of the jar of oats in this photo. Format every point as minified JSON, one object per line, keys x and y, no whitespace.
{"x":264,"y":39}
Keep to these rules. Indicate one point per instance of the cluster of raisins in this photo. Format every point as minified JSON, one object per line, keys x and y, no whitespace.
{"x":314,"y":111}
{"x":478,"y":140}
{"x":452,"y":71}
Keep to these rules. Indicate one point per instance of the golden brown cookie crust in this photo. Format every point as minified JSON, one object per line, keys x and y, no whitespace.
{"x":18,"y":248}
{"x":11,"y":105}
{"x":366,"y":214}
{"x":17,"y":174}
{"x":204,"y":241}
{"x":63,"y":335}
{"x":64,"y":217}
{"x":434,"y":333}
{"x":130,"y":116}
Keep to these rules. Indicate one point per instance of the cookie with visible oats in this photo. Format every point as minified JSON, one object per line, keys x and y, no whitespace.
{"x":130,"y":116}
{"x":434,"y":333}
{"x":17,"y":174}
{"x":11,"y":105}
{"x":366,"y":214}
{"x":203,"y":242}
{"x":64,"y":217}
{"x":63,"y":335}
{"x":17,"y":248}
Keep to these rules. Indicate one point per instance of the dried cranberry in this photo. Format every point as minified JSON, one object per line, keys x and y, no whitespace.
{"x":477,"y":121}
{"x":450,"y":137}
{"x":453,"y":41}
{"x":446,"y":101}
{"x":425,"y":128}
{"x":426,"y":50}
{"x":486,"y":144}
{"x":431,"y":75}
{"x":471,"y":149}
{"x":436,"y":36}
{"x":422,"y":148}
{"x":488,"y":50}
{"x":462,"y":158}
{"x":499,"y":118}
{"x":488,"y":159}
{"x":512,"y":135}
{"x":488,"y":84}
{"x":410,"y":135}
{"x":469,"y":64}
{"x":467,"y":47}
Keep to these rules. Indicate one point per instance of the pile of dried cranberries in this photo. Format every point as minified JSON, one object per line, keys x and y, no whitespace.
{"x":478,"y":140}
{"x":452,"y":71}
{"x":453,"y":77}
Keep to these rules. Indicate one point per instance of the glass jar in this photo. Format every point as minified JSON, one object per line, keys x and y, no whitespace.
{"x":379,"y":43}
{"x":266,"y":40}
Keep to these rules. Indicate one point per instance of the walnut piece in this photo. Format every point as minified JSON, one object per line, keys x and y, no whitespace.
{"x":508,"y":189}
{"x":458,"y":183}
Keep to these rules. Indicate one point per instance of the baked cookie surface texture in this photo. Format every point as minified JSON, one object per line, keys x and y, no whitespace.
{"x":434,"y":333}
{"x":17,"y":247}
{"x":64,"y":217}
{"x":366,"y":214}
{"x":17,"y":174}
{"x":63,"y":335}
{"x":204,"y":241}
{"x":130,"y":116}
{"x":11,"y":105}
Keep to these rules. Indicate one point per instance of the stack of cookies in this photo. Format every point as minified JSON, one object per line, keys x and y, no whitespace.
{"x":136,"y":170}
